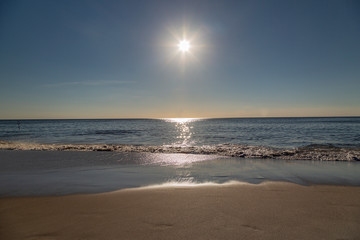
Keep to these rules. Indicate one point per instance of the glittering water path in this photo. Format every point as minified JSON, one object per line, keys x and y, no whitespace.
{"x":275,"y":138}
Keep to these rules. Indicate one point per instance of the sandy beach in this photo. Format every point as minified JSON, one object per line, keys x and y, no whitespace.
{"x":238,"y":211}
{"x":179,"y":120}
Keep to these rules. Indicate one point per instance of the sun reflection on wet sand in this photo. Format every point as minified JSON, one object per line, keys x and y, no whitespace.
{"x":175,"y":159}
{"x":174,"y":184}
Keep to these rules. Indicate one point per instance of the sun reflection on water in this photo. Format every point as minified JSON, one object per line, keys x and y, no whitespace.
{"x":181,"y":120}
{"x":184,"y":130}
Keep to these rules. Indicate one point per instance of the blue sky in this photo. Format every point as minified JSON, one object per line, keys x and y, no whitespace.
{"x":119,"y":59}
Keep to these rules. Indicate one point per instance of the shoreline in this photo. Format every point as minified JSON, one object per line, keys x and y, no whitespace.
{"x":28,"y":173}
{"x":271,"y":210}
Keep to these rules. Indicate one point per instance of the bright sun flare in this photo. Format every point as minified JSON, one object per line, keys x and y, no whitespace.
{"x":184,"y":46}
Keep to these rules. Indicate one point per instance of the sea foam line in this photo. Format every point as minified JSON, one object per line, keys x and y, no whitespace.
{"x":310,"y":152}
{"x":176,"y":184}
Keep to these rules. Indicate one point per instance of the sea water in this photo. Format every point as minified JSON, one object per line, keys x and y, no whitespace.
{"x":272,"y":132}
{"x":147,"y":152}
{"x":276,"y":138}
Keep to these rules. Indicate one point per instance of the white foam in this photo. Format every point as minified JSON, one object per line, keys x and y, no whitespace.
{"x":179,"y":184}
{"x":311,"y":152}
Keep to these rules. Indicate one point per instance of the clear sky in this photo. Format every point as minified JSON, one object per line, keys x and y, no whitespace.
{"x":119,"y":59}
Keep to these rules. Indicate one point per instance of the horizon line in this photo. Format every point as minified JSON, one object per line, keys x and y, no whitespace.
{"x":144,"y":118}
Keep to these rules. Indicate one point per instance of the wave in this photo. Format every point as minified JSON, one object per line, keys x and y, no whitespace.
{"x":309,"y":152}
{"x":117,"y":132}
{"x":109,"y":132}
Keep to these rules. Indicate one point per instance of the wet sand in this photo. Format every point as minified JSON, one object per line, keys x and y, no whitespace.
{"x":240,"y":211}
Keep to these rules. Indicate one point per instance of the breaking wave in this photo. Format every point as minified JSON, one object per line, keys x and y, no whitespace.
{"x":309,"y":152}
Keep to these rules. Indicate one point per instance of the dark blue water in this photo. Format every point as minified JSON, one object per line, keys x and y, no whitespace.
{"x":272,"y":132}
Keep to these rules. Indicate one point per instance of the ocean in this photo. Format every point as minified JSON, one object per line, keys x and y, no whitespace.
{"x":47,"y":157}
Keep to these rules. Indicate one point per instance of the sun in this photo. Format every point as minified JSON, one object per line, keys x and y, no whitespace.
{"x":184,"y":46}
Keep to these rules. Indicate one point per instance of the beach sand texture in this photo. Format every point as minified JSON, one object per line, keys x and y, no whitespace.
{"x":239,"y":211}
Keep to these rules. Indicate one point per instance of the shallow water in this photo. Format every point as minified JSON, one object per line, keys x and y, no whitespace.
{"x":29,"y":173}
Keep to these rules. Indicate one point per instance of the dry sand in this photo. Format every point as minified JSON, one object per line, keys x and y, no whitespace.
{"x":265,"y":211}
